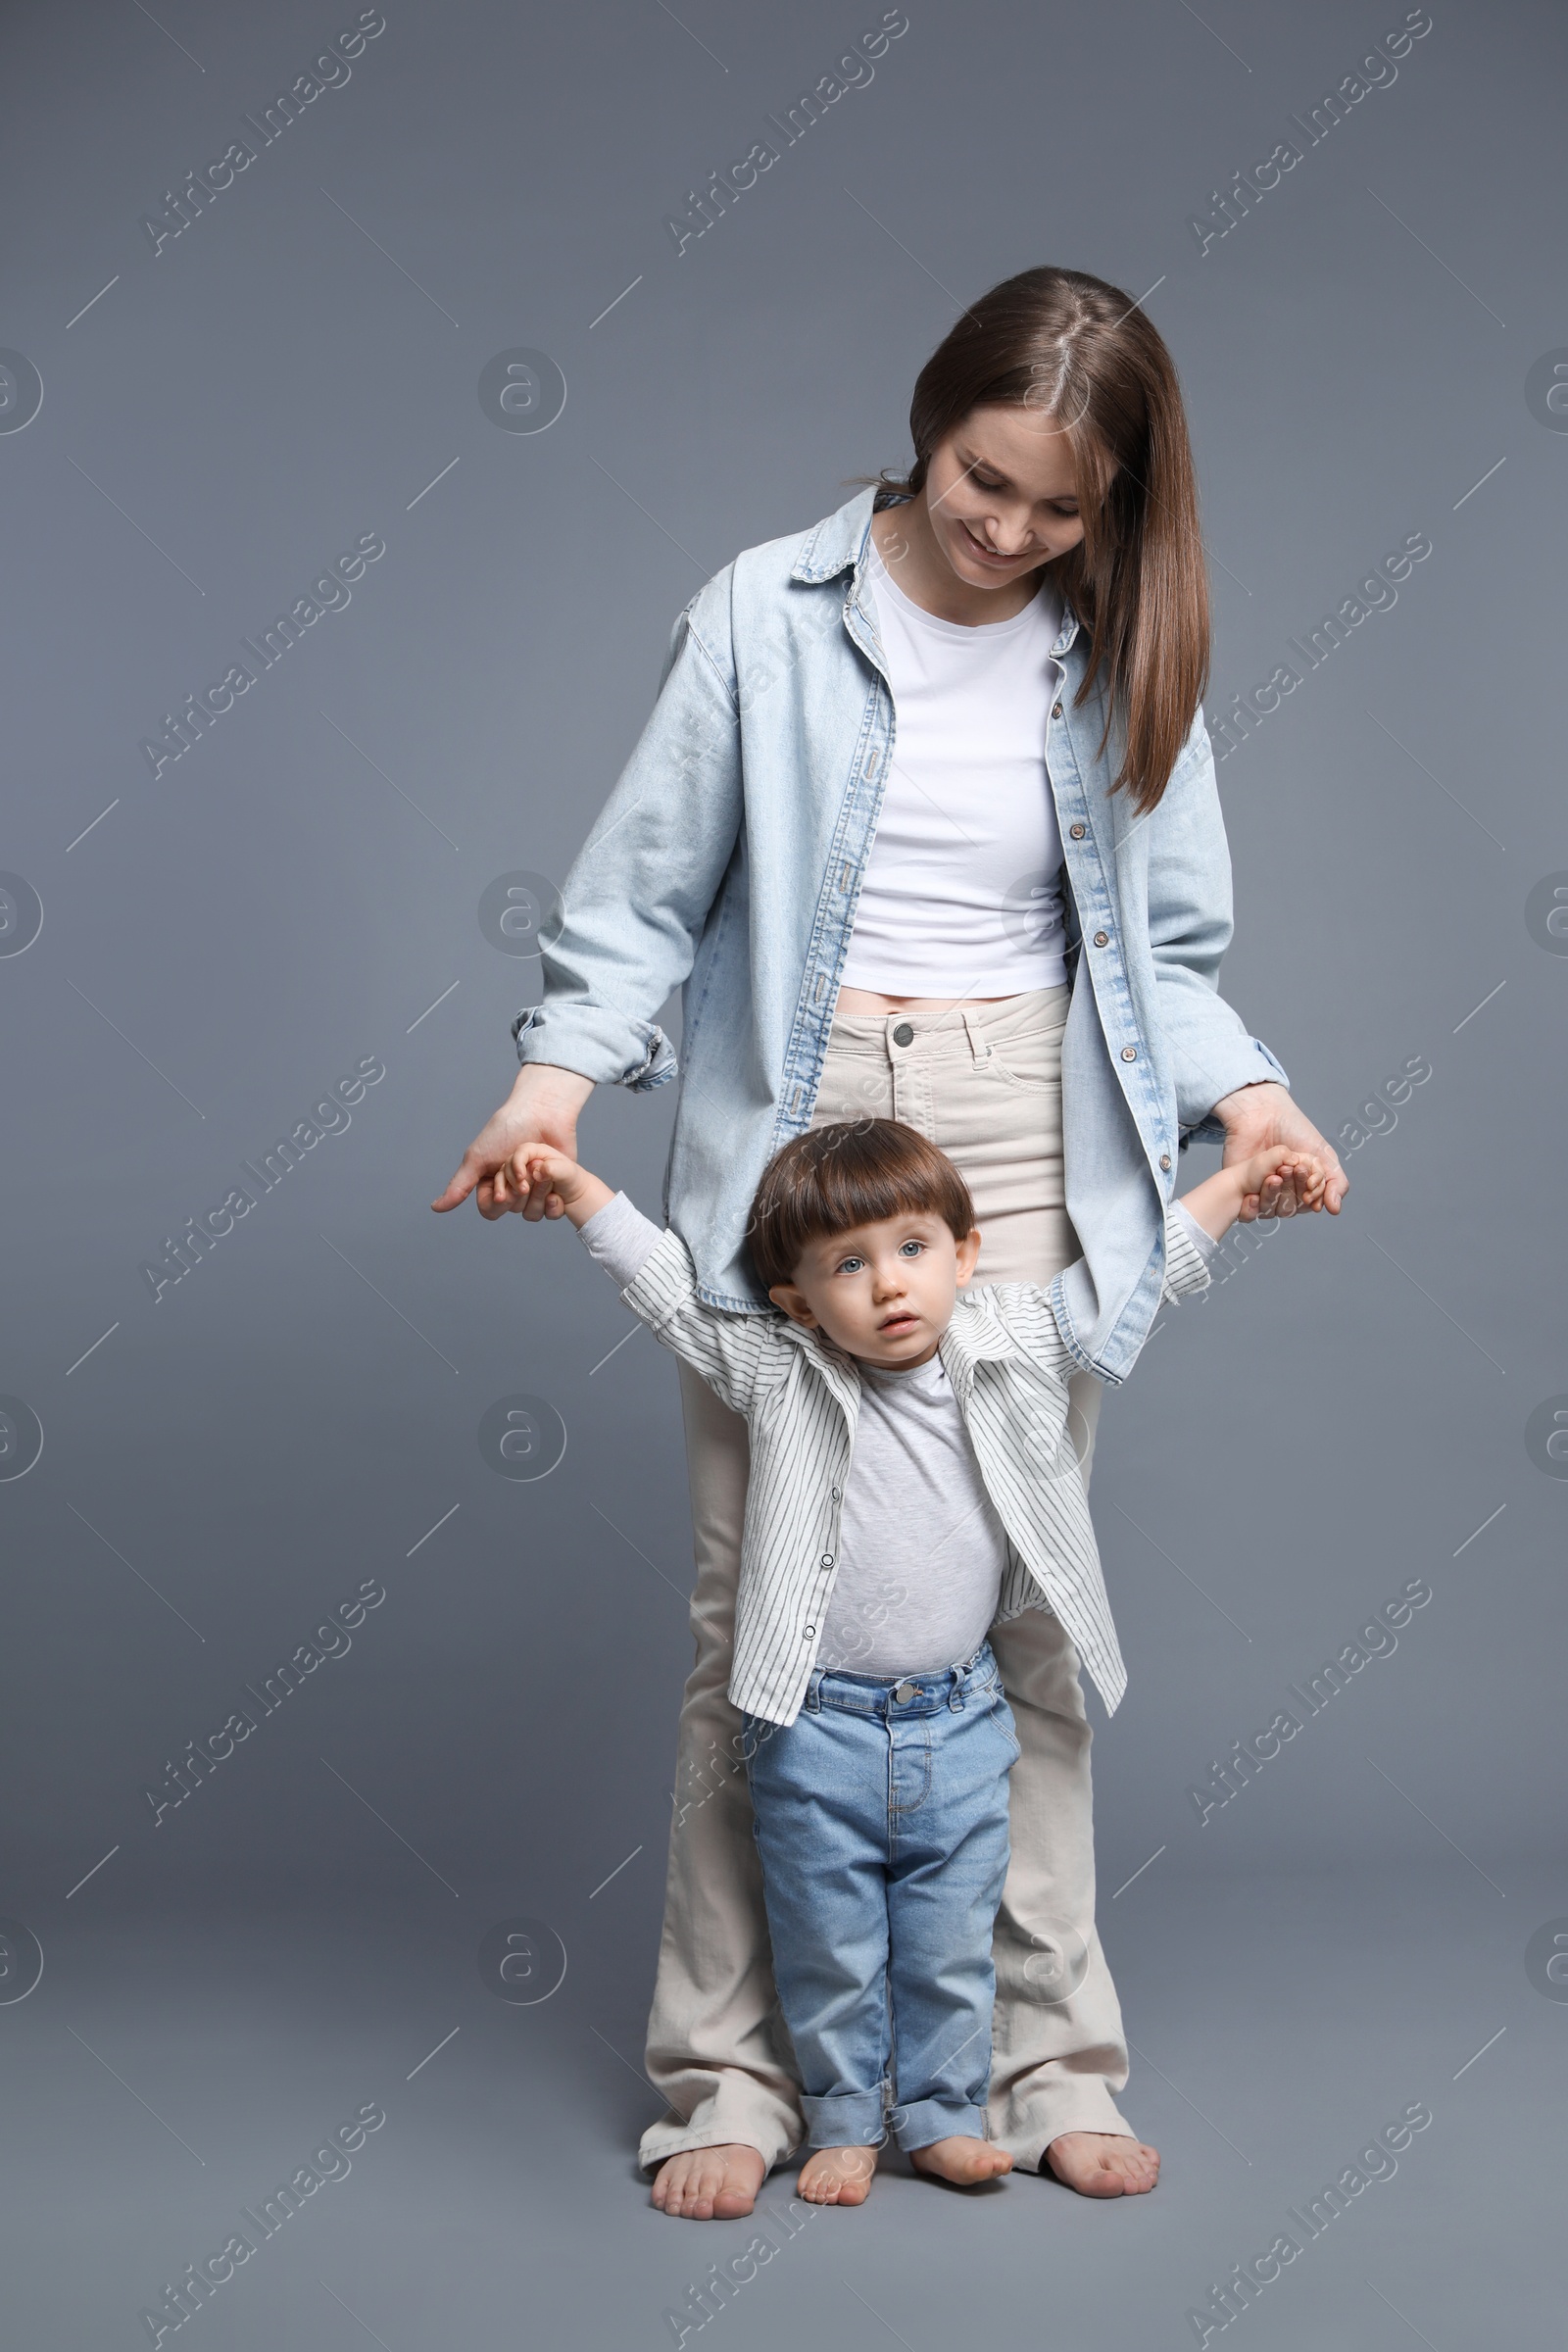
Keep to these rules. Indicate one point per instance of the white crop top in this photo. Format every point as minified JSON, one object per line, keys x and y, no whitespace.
{"x":962,"y":893}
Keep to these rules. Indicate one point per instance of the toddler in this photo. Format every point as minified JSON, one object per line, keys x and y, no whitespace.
{"x":912,"y":1481}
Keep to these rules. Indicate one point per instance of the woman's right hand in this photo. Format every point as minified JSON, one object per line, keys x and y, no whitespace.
{"x":542,"y":1108}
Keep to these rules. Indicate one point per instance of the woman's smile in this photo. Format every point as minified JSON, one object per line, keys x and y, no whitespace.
{"x":993,"y":556}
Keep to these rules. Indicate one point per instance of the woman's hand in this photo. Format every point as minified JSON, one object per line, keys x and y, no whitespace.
{"x":542,"y":1108}
{"x":1257,"y":1118}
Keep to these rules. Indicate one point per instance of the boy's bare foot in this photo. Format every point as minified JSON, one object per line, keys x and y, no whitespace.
{"x":1103,"y":2164}
{"x":710,"y":2184}
{"x":837,"y":2176}
{"x":964,"y":2161}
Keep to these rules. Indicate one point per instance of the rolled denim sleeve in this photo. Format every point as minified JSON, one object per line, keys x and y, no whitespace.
{"x":1189,"y":925}
{"x":634,"y":904}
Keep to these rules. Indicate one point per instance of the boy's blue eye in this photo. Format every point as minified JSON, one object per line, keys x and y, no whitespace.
{"x":850,"y":1265}
{"x":910,"y":1249}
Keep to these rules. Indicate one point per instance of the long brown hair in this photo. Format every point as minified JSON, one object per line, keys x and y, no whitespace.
{"x":1081,"y":351}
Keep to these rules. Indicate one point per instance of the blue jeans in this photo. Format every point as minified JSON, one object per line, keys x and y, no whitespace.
{"x":881,"y":1818}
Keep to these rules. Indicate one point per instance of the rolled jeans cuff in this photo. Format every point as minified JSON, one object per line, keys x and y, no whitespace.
{"x":854,"y":2119}
{"x":928,"y":2119}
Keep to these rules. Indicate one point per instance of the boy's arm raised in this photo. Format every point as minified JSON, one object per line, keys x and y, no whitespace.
{"x":653,"y":1269}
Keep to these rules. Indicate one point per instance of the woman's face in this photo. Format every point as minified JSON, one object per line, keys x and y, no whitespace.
{"x":1001,"y":495}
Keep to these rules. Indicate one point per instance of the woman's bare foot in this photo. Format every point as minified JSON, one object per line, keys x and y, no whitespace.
{"x":710,"y":2184}
{"x":1103,"y":2164}
{"x":964,"y":2161}
{"x":837,"y":2176}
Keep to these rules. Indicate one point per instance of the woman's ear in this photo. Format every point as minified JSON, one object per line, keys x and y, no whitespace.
{"x":788,"y":1296}
{"x":968,"y":1250}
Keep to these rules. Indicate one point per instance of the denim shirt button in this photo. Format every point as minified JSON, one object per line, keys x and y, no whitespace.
{"x":1076,"y":832}
{"x":1129,"y":1052}
{"x":1164,"y":1161}
{"x":1101,"y":938}
{"x":1055,"y":709}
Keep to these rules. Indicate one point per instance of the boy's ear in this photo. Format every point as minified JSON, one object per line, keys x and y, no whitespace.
{"x":792,"y":1300}
{"x":968,"y":1250}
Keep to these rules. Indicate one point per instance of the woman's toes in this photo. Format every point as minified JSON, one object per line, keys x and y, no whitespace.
{"x":1101,"y":2164}
{"x":703,"y":2185}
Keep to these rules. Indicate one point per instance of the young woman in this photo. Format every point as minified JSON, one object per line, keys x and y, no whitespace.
{"x":924,"y":825}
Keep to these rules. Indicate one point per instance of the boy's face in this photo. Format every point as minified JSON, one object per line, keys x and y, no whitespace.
{"x":884,"y":1291}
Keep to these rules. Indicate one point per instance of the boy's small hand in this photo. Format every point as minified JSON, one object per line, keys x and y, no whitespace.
{"x":1295,"y":1182}
{"x":1274,"y":1183}
{"x":545,"y":1182}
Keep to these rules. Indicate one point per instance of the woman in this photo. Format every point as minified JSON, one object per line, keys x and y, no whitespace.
{"x":924,"y":821}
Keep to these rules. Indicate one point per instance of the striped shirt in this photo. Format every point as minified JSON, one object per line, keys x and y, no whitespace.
{"x":800,"y":1399}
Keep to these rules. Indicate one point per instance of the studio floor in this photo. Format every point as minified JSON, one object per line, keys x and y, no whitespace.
{"x":167,"y":2075}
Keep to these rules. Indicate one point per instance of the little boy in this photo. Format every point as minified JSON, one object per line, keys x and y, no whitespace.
{"x":912,"y":1481}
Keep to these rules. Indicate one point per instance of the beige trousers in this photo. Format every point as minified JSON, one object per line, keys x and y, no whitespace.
{"x":984,"y":1083}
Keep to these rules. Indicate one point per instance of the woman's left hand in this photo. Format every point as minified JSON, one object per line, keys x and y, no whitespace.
{"x":1257,"y":1118}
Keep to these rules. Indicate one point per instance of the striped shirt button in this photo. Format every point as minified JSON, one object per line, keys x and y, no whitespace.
{"x":827,"y":1559}
{"x":810,"y":1631}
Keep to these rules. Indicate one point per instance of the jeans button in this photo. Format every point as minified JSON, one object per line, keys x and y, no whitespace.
{"x":903,"y":1034}
{"x":905,"y":1692}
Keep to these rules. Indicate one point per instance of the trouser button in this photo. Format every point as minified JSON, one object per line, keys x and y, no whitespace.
{"x":905,"y":1692}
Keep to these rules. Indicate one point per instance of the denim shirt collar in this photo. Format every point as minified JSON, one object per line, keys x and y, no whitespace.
{"x":843,"y":541}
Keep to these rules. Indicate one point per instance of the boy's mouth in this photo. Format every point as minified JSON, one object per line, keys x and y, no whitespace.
{"x":896,"y":1326}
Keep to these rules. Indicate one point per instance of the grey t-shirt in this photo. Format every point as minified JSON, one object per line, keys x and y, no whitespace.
{"x":921,"y":1550}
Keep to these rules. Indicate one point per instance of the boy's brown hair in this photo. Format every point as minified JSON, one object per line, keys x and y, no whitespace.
{"x":857,"y":1172}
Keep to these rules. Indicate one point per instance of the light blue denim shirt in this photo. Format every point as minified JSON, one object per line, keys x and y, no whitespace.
{"x":727,"y":861}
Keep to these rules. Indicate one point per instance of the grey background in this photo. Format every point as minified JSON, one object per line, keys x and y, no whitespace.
{"x":298,"y":892}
